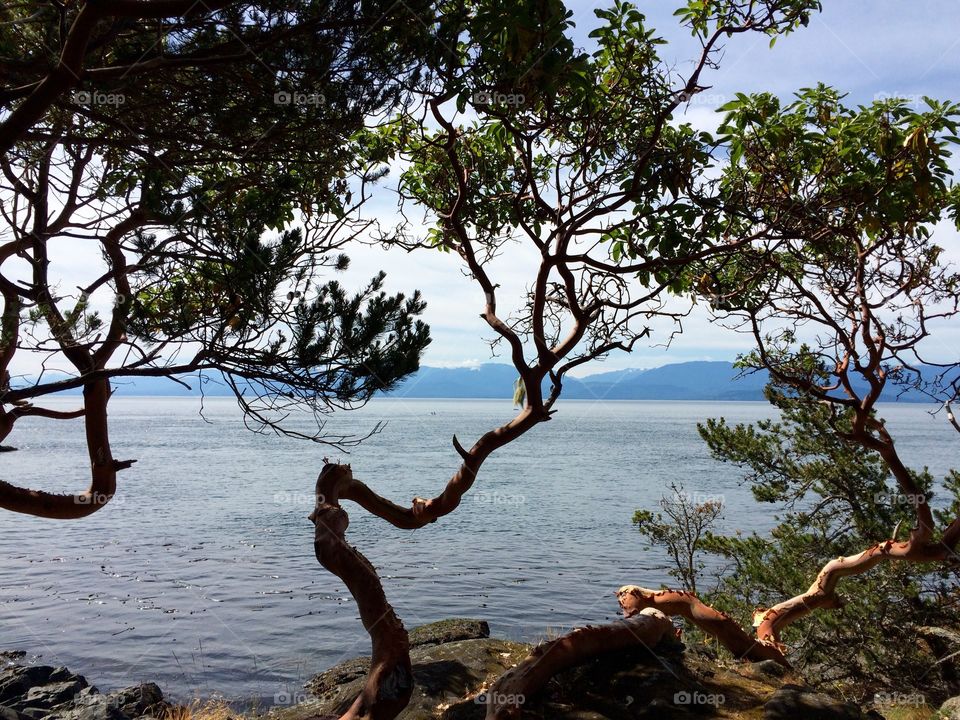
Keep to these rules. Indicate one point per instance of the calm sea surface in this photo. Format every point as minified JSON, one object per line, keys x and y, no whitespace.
{"x":201,"y":575}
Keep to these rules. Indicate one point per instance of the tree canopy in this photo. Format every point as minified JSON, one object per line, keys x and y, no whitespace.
{"x":212,"y":158}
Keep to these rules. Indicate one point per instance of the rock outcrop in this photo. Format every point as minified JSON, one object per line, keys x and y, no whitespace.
{"x":38,"y":692}
{"x":455,"y":663}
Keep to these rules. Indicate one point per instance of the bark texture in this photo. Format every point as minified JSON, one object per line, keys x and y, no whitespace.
{"x":390,"y":680}
{"x":634,"y":599}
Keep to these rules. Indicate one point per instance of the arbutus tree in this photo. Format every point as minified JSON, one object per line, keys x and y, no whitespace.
{"x":842,"y":295}
{"x":211,"y":157}
{"x":579,"y":157}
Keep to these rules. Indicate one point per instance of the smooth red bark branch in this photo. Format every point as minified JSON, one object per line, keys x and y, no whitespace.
{"x":31,"y":411}
{"x":770,"y":623}
{"x":952,"y":419}
{"x":389,"y":683}
{"x":506,"y":698}
{"x":822,"y":593}
{"x":422,"y":511}
{"x":634,"y":599}
{"x":103,"y":467}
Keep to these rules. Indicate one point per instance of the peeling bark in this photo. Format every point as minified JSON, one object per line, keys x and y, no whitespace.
{"x":506,"y":698}
{"x":389,"y":683}
{"x":822,"y":593}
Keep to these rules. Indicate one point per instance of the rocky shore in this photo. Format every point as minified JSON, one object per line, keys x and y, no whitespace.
{"x":32,"y":692}
{"x":455,"y":661}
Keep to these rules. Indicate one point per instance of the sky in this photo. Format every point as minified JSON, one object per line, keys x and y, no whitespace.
{"x":868,"y":48}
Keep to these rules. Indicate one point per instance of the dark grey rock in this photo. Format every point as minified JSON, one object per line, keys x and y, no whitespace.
{"x":35,"y":690}
{"x":42,"y":692}
{"x":88,"y":707}
{"x":452,"y":630}
{"x":791,"y":702}
{"x":51,"y":694}
{"x":445,"y":674}
{"x":768,"y":668}
{"x":35,"y":713}
{"x":62,"y":674}
{"x":346,"y":672}
{"x":8,"y":713}
{"x":137,"y":700}
{"x":438,"y":633}
{"x":17,"y":680}
{"x":660,"y":708}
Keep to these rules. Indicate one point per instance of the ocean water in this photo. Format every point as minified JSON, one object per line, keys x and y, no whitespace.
{"x":201,"y":576}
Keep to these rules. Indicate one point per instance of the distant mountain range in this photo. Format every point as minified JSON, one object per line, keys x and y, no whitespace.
{"x":680,"y":381}
{"x":701,"y":380}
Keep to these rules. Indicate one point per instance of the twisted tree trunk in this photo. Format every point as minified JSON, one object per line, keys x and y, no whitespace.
{"x":390,"y":680}
{"x":634,"y":599}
